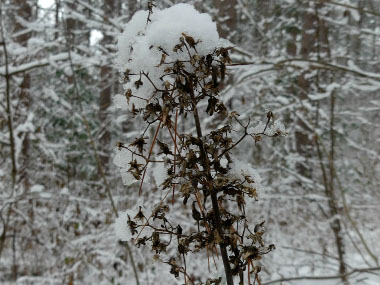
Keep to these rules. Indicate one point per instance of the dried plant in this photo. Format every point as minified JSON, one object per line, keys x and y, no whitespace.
{"x":200,"y":166}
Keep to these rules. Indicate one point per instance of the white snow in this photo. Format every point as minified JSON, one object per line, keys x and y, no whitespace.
{"x":276,"y":128}
{"x":141,"y":45}
{"x":122,"y":159}
{"x":121,"y":227}
{"x":120,"y":101}
{"x":240,"y":170}
{"x":52,"y":59}
{"x":160,"y":172}
{"x":259,"y":128}
{"x":37,"y":188}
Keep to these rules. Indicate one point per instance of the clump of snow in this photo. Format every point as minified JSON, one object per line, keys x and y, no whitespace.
{"x":120,"y":101}
{"x":160,"y":172}
{"x":14,"y":49}
{"x":258,"y":129}
{"x":121,"y":226}
{"x":37,"y":188}
{"x":355,"y":14}
{"x":277,"y":128}
{"x":34,"y":43}
{"x":141,"y":45}
{"x":240,"y":170}
{"x":122,"y":159}
{"x":65,"y":191}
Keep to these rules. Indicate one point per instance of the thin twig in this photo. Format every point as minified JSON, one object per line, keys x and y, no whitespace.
{"x":357,"y":270}
{"x":175,"y":149}
{"x":150,"y":152}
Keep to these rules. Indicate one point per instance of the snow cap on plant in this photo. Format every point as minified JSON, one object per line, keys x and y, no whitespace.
{"x":141,"y":47}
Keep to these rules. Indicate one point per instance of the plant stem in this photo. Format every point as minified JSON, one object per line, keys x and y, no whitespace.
{"x":213,"y":194}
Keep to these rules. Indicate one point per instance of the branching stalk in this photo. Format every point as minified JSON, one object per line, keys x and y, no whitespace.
{"x":214,"y":199}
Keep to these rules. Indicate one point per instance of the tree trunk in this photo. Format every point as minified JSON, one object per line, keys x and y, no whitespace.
{"x":25,"y":12}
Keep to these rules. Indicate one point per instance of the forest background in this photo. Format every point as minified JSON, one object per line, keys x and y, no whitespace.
{"x":314,"y":64}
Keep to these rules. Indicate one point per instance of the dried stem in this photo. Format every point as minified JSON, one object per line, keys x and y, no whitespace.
{"x":214,"y":199}
{"x":150,"y":152}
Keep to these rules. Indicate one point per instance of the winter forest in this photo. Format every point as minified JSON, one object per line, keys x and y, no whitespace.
{"x":190,"y":142}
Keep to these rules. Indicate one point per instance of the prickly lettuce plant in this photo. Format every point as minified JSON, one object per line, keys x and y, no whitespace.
{"x":180,"y":80}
